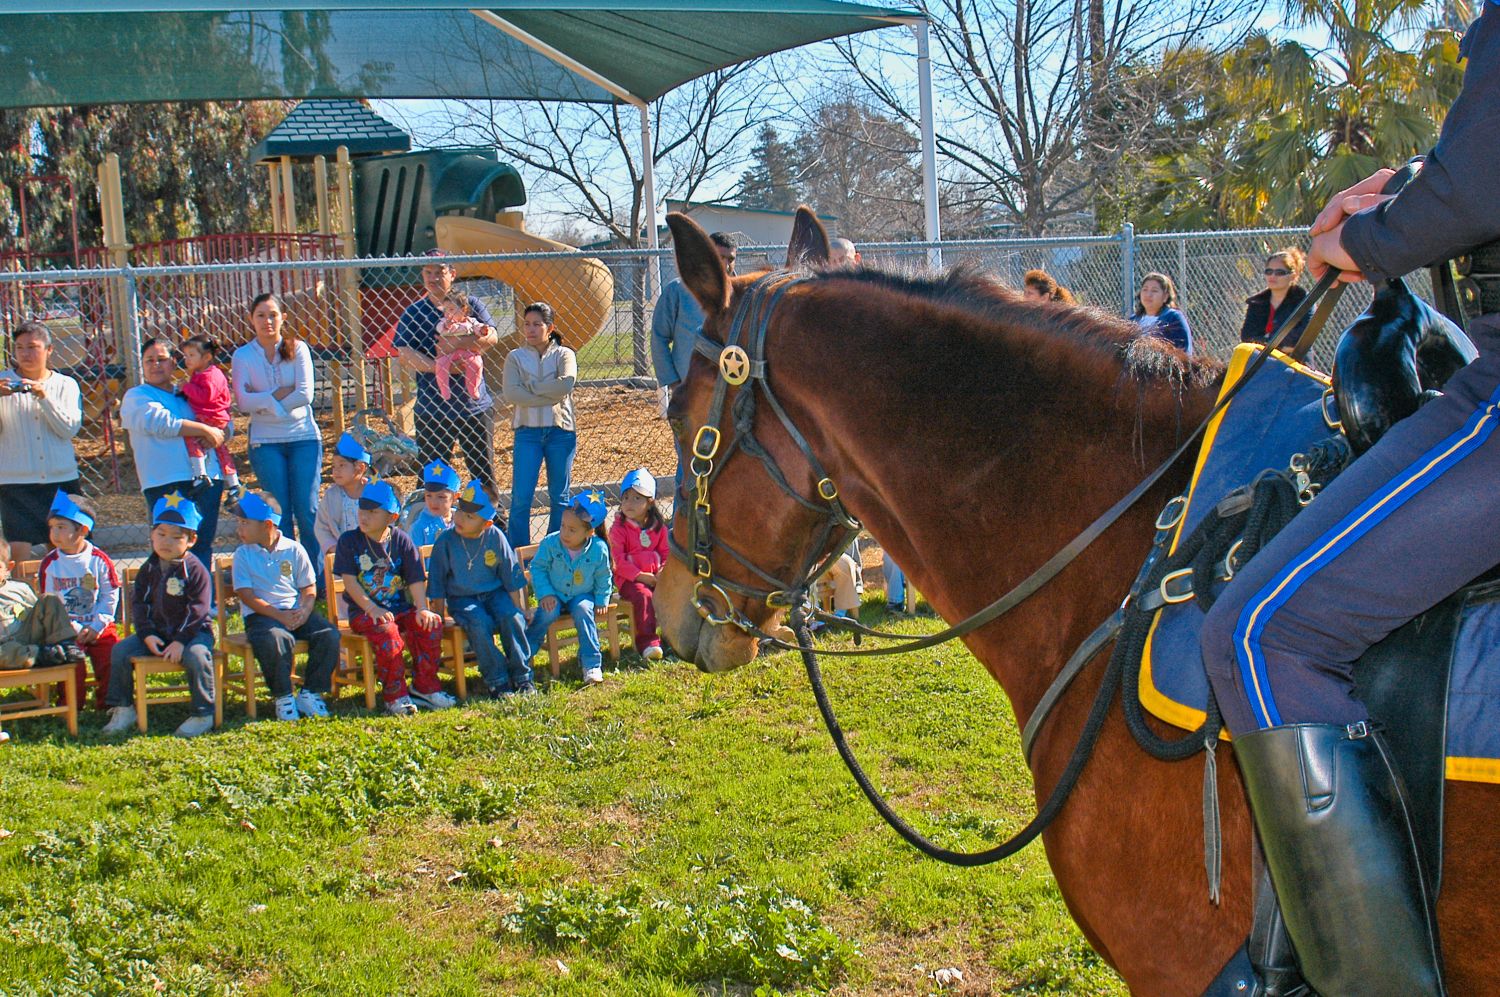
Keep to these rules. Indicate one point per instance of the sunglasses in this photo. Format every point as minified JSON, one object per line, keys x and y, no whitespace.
{"x":1276,"y":272}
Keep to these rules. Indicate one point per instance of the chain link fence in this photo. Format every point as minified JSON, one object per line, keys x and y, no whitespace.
{"x":348,"y":310}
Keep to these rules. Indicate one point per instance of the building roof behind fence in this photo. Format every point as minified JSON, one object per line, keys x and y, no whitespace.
{"x":55,"y":52}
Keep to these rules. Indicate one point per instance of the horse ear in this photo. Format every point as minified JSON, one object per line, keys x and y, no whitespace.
{"x":699,"y":265}
{"x":809,"y":245}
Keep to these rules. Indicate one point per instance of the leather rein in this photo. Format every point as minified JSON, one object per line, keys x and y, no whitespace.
{"x":741,"y":363}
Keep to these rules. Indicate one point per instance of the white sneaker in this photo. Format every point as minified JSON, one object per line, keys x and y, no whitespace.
{"x":310,"y":704}
{"x":652,"y":652}
{"x":194,"y":726}
{"x":121,"y":719}
{"x":286,"y":707}
{"x":402,"y":707}
{"x":593,"y":676}
{"x":439,"y":700}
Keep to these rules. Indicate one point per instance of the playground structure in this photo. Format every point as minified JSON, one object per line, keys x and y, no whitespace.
{"x":373,"y":199}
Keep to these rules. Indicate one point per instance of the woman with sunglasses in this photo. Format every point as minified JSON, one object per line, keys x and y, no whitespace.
{"x":1266,"y":311}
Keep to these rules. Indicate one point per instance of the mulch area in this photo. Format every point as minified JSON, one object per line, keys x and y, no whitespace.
{"x":618,"y":430}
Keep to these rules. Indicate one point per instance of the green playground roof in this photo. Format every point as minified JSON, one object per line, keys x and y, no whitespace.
{"x":319,"y":127}
{"x":56,"y":52}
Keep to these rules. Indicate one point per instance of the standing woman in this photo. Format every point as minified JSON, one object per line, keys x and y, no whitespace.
{"x":538,"y":383}
{"x":40,"y":413}
{"x":273,"y":385}
{"x":1157,"y":315}
{"x":1264,"y":312}
{"x":158,"y":419}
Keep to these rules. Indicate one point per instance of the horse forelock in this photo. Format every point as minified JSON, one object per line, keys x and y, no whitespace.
{"x":1082,"y":333}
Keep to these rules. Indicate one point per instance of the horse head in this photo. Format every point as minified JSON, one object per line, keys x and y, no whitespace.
{"x":750,"y":518}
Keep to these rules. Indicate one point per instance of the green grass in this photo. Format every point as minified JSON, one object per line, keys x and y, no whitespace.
{"x":668,"y":833}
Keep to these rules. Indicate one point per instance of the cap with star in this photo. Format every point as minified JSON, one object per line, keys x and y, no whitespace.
{"x":172,"y":509}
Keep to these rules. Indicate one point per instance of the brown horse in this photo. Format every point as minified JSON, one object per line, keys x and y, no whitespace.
{"x":974,"y":434}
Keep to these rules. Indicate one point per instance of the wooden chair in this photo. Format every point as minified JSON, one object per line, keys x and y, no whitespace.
{"x":247,"y":676}
{"x":28,"y":572}
{"x":455,"y":661}
{"x":356,"y":655}
{"x":614,"y":622}
{"x":41,"y":682}
{"x":145,"y":666}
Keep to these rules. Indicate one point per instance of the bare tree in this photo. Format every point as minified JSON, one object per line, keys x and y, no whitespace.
{"x":1035,"y":118}
{"x":587,"y":156}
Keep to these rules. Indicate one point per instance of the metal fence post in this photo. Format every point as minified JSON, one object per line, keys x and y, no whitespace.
{"x":130,"y":301}
{"x":1127,"y":267}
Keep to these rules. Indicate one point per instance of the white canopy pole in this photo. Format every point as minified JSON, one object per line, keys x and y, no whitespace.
{"x":929,"y":145}
{"x":648,"y":203}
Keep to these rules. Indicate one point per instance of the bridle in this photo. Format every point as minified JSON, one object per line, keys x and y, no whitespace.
{"x":741,"y":363}
{"x":738,"y":367}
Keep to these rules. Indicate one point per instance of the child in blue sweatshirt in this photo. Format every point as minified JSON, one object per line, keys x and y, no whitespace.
{"x":475,"y":576}
{"x":571,"y":571}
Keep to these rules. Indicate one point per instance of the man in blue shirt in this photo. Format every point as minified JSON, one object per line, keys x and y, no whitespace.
{"x":441,"y":423}
{"x":676,"y":323}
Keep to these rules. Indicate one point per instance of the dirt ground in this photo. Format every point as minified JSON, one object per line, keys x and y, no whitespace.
{"x":618,"y":430}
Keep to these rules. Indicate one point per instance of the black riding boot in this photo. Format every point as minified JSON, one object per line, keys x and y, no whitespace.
{"x":1332,"y":816}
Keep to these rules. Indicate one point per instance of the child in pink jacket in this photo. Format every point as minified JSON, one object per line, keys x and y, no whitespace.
{"x":638,"y":549}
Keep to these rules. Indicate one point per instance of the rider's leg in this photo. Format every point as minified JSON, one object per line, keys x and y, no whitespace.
{"x":1395,"y":533}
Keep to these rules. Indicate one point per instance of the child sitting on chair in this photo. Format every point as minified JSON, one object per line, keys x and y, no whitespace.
{"x":385,"y":590}
{"x":638,"y":548}
{"x":84,"y":578}
{"x":475,"y":575}
{"x":571,"y":572}
{"x":439,"y":486}
{"x":276,"y":584}
{"x":457,"y":324}
{"x":207,"y":393}
{"x":338,"y":509}
{"x":171,"y":610}
{"x":34,"y":631}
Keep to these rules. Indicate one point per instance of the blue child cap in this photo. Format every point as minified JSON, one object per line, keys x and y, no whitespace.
{"x":591,"y":505}
{"x":379,"y":495}
{"x":438,"y":476}
{"x":63,"y":507}
{"x":639,"y":480}
{"x":251,"y":506}
{"x":475,"y":500}
{"x":351,"y":449}
{"x":174,"y":510}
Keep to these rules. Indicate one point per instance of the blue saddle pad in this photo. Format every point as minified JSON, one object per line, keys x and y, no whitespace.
{"x":1277,"y":414}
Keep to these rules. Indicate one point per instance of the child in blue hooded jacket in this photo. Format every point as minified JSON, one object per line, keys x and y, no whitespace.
{"x":571,"y":571}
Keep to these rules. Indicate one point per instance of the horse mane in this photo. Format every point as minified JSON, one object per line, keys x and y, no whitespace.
{"x":1083,"y":333}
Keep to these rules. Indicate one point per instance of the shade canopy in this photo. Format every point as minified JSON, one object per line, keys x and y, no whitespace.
{"x":55,"y":52}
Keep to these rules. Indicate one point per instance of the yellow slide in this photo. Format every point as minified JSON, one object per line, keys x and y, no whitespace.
{"x":581,"y":291}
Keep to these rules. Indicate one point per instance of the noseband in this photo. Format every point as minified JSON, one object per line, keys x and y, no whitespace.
{"x":741,"y":363}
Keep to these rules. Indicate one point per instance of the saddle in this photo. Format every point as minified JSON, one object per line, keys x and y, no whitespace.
{"x":1389,"y":362}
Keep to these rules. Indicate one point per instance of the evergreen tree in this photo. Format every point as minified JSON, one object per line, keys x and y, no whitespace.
{"x":772,"y":182}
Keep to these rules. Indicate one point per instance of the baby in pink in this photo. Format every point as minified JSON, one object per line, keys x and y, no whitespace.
{"x":457,"y":324}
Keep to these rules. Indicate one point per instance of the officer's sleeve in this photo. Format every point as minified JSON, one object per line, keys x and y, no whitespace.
{"x":1450,"y":207}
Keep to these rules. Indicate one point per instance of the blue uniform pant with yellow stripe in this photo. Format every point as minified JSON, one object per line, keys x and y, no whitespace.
{"x":1402,"y":527}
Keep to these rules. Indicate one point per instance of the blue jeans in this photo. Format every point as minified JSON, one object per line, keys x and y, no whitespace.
{"x":207,"y":500}
{"x":289,"y":471}
{"x":895,"y":582}
{"x":484,"y":617}
{"x":197,"y":664}
{"x":533,"y":446}
{"x":582,"y":608}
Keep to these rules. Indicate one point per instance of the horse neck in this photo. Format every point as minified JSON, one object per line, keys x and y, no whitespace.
{"x":974,"y":458}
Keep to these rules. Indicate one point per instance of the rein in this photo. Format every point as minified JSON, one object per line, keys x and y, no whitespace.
{"x":738,"y":367}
